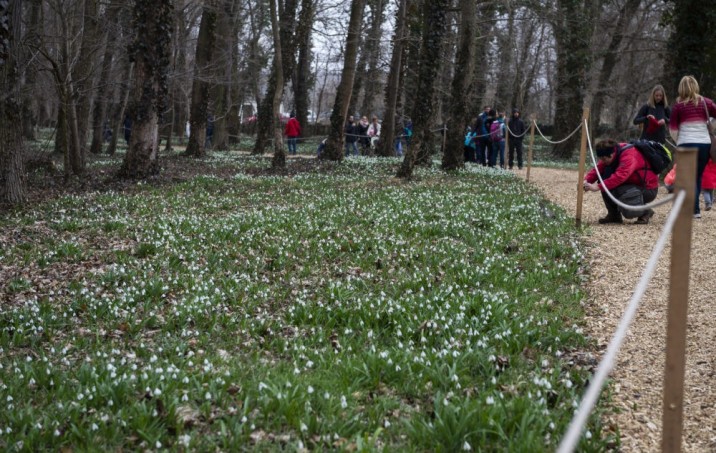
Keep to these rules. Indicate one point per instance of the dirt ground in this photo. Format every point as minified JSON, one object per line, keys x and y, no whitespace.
{"x":617,"y":255}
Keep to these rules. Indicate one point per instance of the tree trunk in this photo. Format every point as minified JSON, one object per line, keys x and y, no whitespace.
{"x":84,"y":89}
{"x":303,"y":67}
{"x":453,"y":157}
{"x":200,"y":86}
{"x":279,"y":154}
{"x":266,"y":115}
{"x":610,"y":59}
{"x":372,"y":87}
{"x":151,"y":53}
{"x":104,"y":92}
{"x":434,"y":25}
{"x":573,"y":31}
{"x":334,"y":144}
{"x":391,"y":119}
{"x":30,"y":105}
{"x":12,"y":189}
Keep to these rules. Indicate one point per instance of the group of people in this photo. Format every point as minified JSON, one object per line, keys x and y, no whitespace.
{"x":485,"y":138}
{"x":627,"y":174}
{"x":362,"y":132}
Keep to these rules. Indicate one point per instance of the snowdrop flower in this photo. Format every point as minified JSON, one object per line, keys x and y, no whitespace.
{"x":490,"y":400}
{"x":310,"y":389}
{"x":466,"y":447}
{"x":344,"y":403}
{"x":304,"y":427}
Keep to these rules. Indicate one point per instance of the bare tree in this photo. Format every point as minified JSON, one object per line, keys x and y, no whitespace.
{"x":302,"y":79}
{"x":11,"y":169}
{"x":200,"y":86}
{"x":435,"y":22}
{"x":334,"y":145}
{"x":150,"y":52}
{"x":279,"y":154}
{"x":385,"y":147}
{"x":459,"y":105}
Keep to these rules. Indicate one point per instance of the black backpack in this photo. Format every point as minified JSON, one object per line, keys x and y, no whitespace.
{"x":658,"y":155}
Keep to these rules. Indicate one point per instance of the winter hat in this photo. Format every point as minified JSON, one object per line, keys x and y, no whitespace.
{"x":652,"y":125}
{"x":605,"y":151}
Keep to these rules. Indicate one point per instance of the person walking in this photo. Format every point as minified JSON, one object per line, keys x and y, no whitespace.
{"x":654,"y":116}
{"x":688,"y":128}
{"x":627,"y":176}
{"x":374,"y":131}
{"x":516,"y":129}
{"x":497,"y":138}
{"x":292,"y":131}
{"x":364,"y":139}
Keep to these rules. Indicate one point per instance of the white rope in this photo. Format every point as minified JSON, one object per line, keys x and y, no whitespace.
{"x":515,"y":135}
{"x":560,"y":141}
{"x":570,"y":440}
{"x":629,"y":207}
{"x":671,"y":143}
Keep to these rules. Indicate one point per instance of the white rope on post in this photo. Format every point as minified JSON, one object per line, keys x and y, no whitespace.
{"x":560,"y":141}
{"x":515,"y":135}
{"x":643,"y":207}
{"x":571,"y":438}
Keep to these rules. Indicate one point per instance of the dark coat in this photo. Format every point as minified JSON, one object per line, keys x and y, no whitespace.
{"x":660,"y":113}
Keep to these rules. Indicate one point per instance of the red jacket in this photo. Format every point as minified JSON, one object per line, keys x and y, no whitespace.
{"x":293,"y":129}
{"x":632,"y":168}
{"x":708,"y":180}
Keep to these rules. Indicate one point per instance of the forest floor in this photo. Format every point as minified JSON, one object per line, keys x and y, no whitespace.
{"x":617,"y":256}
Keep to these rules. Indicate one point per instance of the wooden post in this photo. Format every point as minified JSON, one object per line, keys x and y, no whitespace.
{"x":582,"y":159}
{"x":533,"y":118}
{"x":506,"y":151}
{"x":672,"y":419}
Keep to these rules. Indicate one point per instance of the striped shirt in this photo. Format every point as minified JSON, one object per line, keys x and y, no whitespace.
{"x":687,"y":124}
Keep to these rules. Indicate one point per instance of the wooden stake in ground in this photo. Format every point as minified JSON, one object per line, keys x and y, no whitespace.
{"x":532,"y":144}
{"x":673,"y":415}
{"x":582,"y":159}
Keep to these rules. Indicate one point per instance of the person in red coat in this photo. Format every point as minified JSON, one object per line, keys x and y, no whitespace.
{"x":293,"y":131}
{"x":708,"y":183}
{"x":625,"y":173}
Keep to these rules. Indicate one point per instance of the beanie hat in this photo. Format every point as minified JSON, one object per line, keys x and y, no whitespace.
{"x":603,"y":152}
{"x":652,"y":125}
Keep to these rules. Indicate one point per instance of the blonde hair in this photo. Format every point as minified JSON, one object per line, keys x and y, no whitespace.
{"x":652,"y":100}
{"x":689,"y":90}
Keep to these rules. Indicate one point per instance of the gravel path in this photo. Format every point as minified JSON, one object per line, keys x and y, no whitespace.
{"x":617,"y":255}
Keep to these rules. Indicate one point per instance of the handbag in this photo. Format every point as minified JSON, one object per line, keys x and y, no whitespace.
{"x":710,"y":129}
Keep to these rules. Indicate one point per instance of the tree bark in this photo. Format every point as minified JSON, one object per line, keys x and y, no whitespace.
{"x":104,"y":90}
{"x":84,"y":88}
{"x":303,"y":81}
{"x":453,"y":157}
{"x":279,"y":154}
{"x":200,"y":86}
{"x":151,"y":54}
{"x":434,"y":28}
{"x":391,"y":119}
{"x":12,"y":190}
{"x":372,"y":86}
{"x":334,"y":144}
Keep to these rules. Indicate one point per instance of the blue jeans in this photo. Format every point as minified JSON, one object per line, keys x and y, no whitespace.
{"x":292,"y":145}
{"x":351,"y":146}
{"x":498,"y":147}
{"x":701,"y":161}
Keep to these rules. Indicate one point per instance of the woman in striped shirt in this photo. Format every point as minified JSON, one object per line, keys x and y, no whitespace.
{"x":688,"y":126}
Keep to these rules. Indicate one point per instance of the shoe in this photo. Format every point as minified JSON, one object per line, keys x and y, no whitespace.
{"x":611,"y":219}
{"x":644,"y":219}
{"x":697,"y":215}
{"x":709,"y":206}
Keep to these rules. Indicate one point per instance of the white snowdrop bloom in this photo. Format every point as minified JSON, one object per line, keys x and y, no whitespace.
{"x":551,"y":425}
{"x":207,"y":396}
{"x":310,"y":389}
{"x":244,"y":419}
{"x":57,"y":433}
{"x":568,"y":384}
{"x":157,"y":392}
{"x":94,"y":427}
{"x":588,"y":435}
{"x":185,"y":380}
{"x":466,"y":447}
{"x":386,"y":423}
{"x":344,"y":403}
{"x":158,"y":445}
{"x":490,"y":400}
{"x":262,"y":386}
{"x":304,"y":427}
{"x":326,"y":395}
{"x":184,"y":439}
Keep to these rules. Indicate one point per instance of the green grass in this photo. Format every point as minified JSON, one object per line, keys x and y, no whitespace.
{"x":349,"y":311}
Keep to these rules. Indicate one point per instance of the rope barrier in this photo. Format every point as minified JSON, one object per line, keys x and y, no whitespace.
{"x":569,"y":442}
{"x":513,"y":134}
{"x":560,"y":141}
{"x":653,"y":204}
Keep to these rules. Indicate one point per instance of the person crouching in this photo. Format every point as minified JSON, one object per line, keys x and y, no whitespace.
{"x":628,"y":176}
